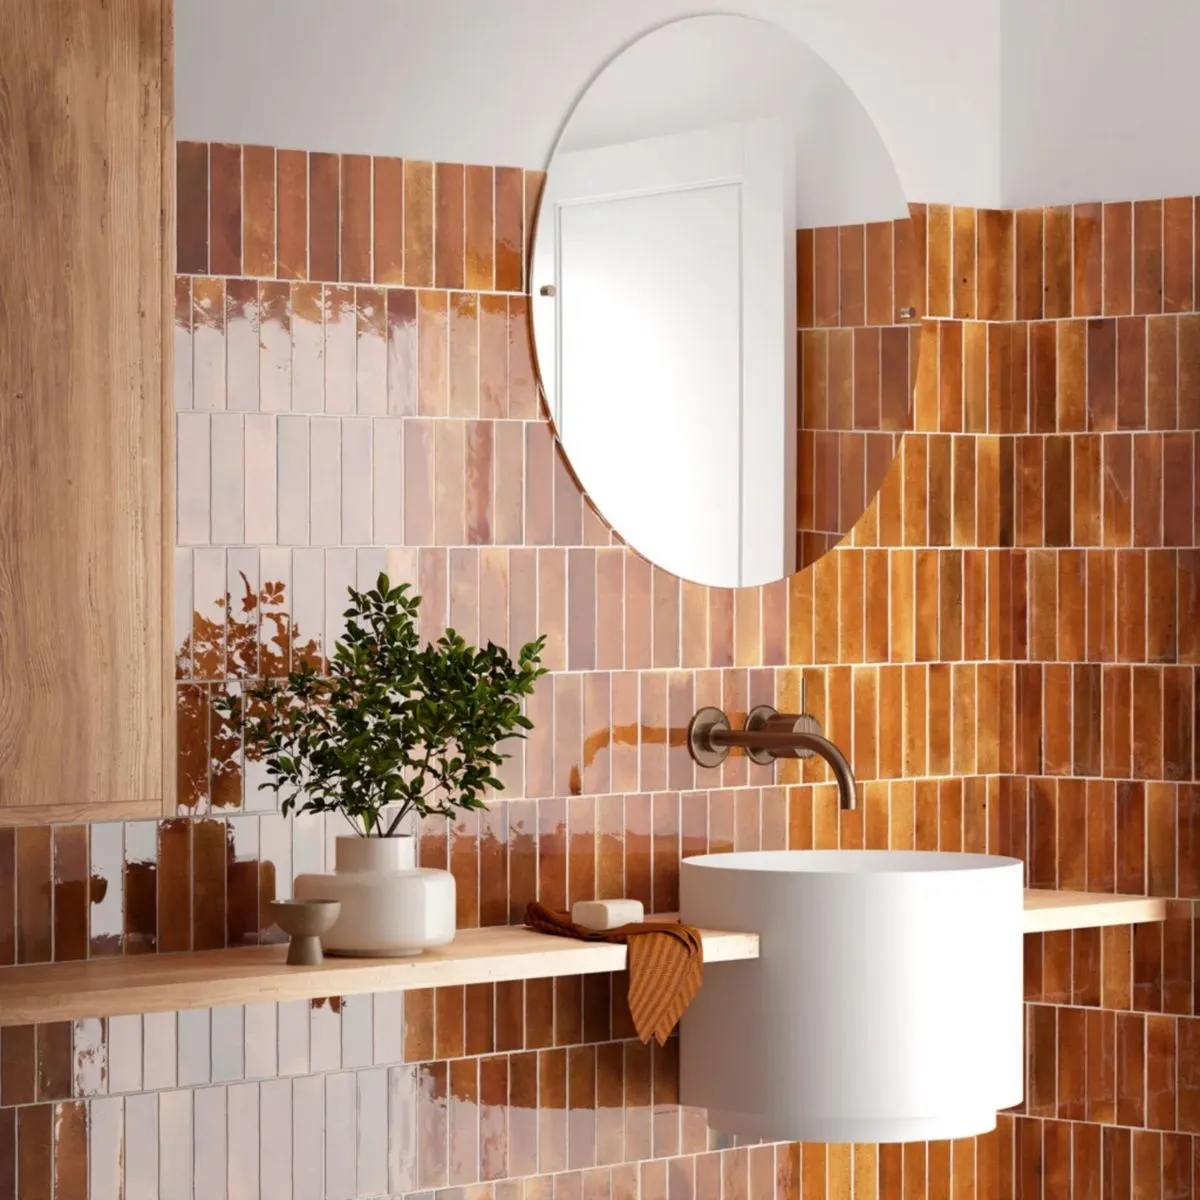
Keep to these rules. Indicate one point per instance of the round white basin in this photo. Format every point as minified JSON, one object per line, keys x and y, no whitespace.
{"x":886,"y":1005}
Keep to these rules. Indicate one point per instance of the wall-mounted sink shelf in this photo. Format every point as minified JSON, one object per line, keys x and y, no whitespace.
{"x":171,"y":982}
{"x":1047,"y":911}
{"x":210,"y":978}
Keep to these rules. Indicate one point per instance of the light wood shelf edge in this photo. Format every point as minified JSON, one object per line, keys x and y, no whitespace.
{"x":73,"y":814}
{"x":206,"y":979}
{"x":1049,"y":911}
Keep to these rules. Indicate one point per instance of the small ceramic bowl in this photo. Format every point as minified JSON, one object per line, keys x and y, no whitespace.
{"x":304,"y":921}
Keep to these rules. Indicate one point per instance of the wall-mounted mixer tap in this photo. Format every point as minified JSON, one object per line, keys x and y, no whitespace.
{"x":768,"y":735}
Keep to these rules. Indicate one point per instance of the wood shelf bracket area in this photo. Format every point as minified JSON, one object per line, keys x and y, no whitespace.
{"x":253,"y":974}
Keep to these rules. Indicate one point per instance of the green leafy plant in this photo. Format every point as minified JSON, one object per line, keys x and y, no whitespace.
{"x":391,"y":725}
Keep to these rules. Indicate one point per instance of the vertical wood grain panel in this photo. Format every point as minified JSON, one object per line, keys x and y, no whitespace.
{"x":81,"y":644}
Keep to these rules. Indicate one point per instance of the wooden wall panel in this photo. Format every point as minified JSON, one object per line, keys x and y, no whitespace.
{"x":83,"y":120}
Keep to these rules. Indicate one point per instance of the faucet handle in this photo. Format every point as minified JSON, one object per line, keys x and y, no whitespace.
{"x":765,"y":719}
{"x":801,"y":722}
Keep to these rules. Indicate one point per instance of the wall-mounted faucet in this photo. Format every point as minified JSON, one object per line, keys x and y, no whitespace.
{"x":768,"y":735}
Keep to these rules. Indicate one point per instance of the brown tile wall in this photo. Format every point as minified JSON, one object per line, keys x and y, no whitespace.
{"x":1004,"y":644}
{"x":856,"y":369}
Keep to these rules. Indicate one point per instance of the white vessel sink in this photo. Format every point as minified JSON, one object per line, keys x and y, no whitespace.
{"x":885,"y":1006}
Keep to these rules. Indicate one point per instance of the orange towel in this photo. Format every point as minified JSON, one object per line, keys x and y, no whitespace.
{"x":666,"y":965}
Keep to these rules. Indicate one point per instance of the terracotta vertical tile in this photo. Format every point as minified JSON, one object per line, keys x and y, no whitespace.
{"x":1162,"y":401}
{"x":1117,"y":483}
{"x":418,"y":216}
{"x":464,"y":355}
{"x":1177,"y":260}
{"x":1043,"y":376}
{"x":324,"y":215}
{"x":939,"y":250}
{"x":665,"y":619}
{"x":880,"y":258}
{"x":1131,"y":838}
{"x":1131,"y":373}
{"x":1188,"y":1079}
{"x":524,"y":400}
{"x":355,"y":244}
{"x":387,"y":213}
{"x":852,"y":265}
{"x":225,"y":209}
{"x":1116,"y":1162}
{"x":1159,"y":600}
{"x":174,"y":875}
{"x":1088,"y":255}
{"x":480,"y":240}
{"x":1087,"y":710}
{"x":896,"y":393}
{"x":950,"y":376}
{"x":1148,"y":490}
{"x":826,"y":272}
{"x":1178,"y":723}
{"x":1058,"y":256}
{"x":18,"y":1065}
{"x":1147,"y":722}
{"x":866,"y":383}
{"x":71,"y":883}
{"x":1118,"y":258}
{"x":1178,"y":476}
{"x":1102,"y":378}
{"x":1131,"y":1069}
{"x":965,"y":264}
{"x":449,"y":225}
{"x":1028,"y":285}
{"x":55,"y":1061}
{"x":33,"y":894}
{"x":534,"y":183}
{"x":291,"y":188}
{"x":1030,"y":489}
{"x":1072,"y":1060}
{"x":258,"y":211}
{"x":1148,"y":256}
{"x":1085,"y":511}
{"x":509,"y":219}
{"x":552,"y":852}
{"x":34,"y":1157}
{"x":665,"y":872}
{"x":1131,"y":605}
{"x":805,"y":318}
{"x":192,"y":188}
{"x":1101,"y":1065}
{"x":1117,"y":699}
{"x":71,"y":1174}
{"x":995,"y":265}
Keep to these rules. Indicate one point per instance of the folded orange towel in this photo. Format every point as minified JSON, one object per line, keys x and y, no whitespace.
{"x":666,"y":965}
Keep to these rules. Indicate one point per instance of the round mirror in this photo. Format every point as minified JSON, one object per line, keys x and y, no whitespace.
{"x":723,"y":301}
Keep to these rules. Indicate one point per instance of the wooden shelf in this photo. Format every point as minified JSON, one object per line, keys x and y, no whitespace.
{"x":1047,"y":911}
{"x":172,"y":982}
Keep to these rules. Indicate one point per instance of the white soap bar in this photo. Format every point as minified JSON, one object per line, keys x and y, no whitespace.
{"x":607,"y":914}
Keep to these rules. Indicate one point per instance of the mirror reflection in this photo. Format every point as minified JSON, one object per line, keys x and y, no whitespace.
{"x":722,"y":287}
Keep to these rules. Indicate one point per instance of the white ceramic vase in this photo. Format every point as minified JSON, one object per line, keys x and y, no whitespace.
{"x":391,"y":908}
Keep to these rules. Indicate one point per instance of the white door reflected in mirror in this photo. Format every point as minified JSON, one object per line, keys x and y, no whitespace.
{"x":667,"y":312}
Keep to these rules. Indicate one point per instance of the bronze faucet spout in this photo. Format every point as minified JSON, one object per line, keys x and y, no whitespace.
{"x":769,"y":735}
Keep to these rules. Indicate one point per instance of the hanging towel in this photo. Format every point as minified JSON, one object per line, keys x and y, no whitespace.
{"x":666,"y":965}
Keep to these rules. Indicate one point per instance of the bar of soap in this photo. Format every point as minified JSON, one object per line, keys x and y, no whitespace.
{"x":607,"y":914}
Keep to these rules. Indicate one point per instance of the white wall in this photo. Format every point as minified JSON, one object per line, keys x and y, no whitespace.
{"x":492,"y":80}
{"x":1099,"y":100}
{"x":709,"y":71}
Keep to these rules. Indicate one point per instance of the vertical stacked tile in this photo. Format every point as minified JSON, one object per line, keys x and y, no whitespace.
{"x":856,"y":303}
{"x":1003,"y":641}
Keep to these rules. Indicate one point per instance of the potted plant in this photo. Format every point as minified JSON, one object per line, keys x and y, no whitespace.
{"x":392,"y":733}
